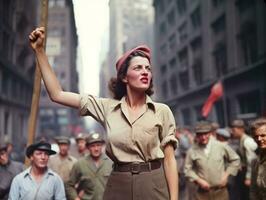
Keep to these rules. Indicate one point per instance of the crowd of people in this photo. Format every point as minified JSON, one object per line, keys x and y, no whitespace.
{"x":147,"y":157}
{"x":213,"y":163}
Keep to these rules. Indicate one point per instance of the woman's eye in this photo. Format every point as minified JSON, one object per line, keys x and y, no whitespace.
{"x":148,"y":68}
{"x":138,"y":67}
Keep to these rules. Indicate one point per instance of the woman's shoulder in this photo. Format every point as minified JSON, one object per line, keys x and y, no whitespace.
{"x":161,"y":106}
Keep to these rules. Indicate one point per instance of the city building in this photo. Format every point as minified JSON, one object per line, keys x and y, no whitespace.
{"x":131,"y":24}
{"x":200,"y":42}
{"x":17,"y":66}
{"x":61,"y":49}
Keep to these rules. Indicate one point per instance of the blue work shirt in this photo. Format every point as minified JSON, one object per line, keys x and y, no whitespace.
{"x":24,"y":187}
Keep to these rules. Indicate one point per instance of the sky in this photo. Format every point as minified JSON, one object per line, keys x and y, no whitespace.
{"x":92,"y":26}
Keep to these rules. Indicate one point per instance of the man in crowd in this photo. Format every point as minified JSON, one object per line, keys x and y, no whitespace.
{"x":90,"y":173}
{"x":209,"y":163}
{"x":8,"y":170}
{"x":258,"y":175}
{"x":81,"y":146}
{"x":246,"y":151}
{"x":222,"y":135}
{"x":62,"y":162}
{"x":38,"y":181}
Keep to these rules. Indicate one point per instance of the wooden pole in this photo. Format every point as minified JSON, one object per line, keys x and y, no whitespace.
{"x":37,"y":85}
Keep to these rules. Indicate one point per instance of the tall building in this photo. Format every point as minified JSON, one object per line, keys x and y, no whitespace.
{"x":61,"y":49}
{"x":201,"y":42}
{"x":17,"y":68}
{"x":131,"y":24}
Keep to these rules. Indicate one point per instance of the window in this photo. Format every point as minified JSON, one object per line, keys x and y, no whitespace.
{"x":184,"y":80}
{"x":182,"y":30}
{"x":220,"y":60}
{"x":197,"y":110}
{"x":171,"y":17}
{"x":181,"y":6}
{"x":6,"y":122}
{"x":248,"y":43}
{"x":186,"y":115}
{"x":217,"y":3}
{"x":196,"y":18}
{"x":163,"y":69}
{"x":198,"y":72}
{"x":164,"y":89}
{"x":243,"y":5}
{"x":172,"y":63}
{"x":250,"y":102}
{"x":162,"y":28}
{"x":163,"y":49}
{"x":196,"y":46}
{"x":219,"y":107}
{"x":219,"y":25}
{"x":172,"y":41}
{"x":173,"y":84}
{"x":183,"y":59}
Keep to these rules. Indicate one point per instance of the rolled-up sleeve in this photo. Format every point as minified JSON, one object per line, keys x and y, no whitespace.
{"x":233,"y":160}
{"x":189,"y":168}
{"x":169,"y":128}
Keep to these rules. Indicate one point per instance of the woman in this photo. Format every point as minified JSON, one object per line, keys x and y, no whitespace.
{"x":140,"y":132}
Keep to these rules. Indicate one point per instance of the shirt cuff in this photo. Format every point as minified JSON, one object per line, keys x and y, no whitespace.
{"x":169,"y":139}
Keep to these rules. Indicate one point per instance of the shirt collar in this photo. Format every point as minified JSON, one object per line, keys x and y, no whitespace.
{"x":48,"y":172}
{"x":149,"y":103}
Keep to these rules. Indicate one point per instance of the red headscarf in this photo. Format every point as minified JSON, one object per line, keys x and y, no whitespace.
{"x":142,"y":48}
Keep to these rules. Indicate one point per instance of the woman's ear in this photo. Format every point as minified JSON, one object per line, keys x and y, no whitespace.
{"x":124,"y":80}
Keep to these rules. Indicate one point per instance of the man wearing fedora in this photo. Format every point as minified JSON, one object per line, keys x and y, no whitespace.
{"x":209,"y":163}
{"x":38,"y":182}
{"x":90,"y":173}
{"x":246,"y":151}
{"x":62,"y":162}
{"x":8,"y":170}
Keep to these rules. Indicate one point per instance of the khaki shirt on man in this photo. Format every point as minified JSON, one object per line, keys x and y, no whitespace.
{"x":86,"y":177}
{"x":212,"y":164}
{"x":62,"y":166}
{"x":258,"y":178}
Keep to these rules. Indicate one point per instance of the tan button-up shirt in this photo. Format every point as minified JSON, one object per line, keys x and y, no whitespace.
{"x":211,"y":166}
{"x":62,"y":166}
{"x":140,"y":141}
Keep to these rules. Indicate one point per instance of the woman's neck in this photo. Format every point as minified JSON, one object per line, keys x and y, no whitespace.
{"x":135,"y":100}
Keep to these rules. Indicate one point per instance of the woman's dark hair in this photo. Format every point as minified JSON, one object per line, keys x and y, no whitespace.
{"x":116,"y":85}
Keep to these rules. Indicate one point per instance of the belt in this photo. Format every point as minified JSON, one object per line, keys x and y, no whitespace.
{"x":137,"y":167}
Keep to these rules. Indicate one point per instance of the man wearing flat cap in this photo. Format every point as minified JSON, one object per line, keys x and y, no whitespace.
{"x":90,"y":173}
{"x":62,"y":162}
{"x":8,"y":170}
{"x":209,"y":163}
{"x":38,"y":181}
{"x":246,"y":151}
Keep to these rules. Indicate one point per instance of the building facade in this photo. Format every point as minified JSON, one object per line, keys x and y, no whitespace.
{"x":131,"y":24}
{"x":201,"y":42}
{"x":61,"y":49}
{"x":17,"y":66}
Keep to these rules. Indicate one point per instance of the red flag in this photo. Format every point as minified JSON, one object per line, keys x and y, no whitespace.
{"x":216,"y":93}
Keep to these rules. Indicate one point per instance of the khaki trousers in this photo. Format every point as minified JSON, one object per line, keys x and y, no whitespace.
{"x":143,"y":186}
{"x":213,"y":194}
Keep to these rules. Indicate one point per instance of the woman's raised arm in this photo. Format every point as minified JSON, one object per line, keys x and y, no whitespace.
{"x":52,"y":84}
